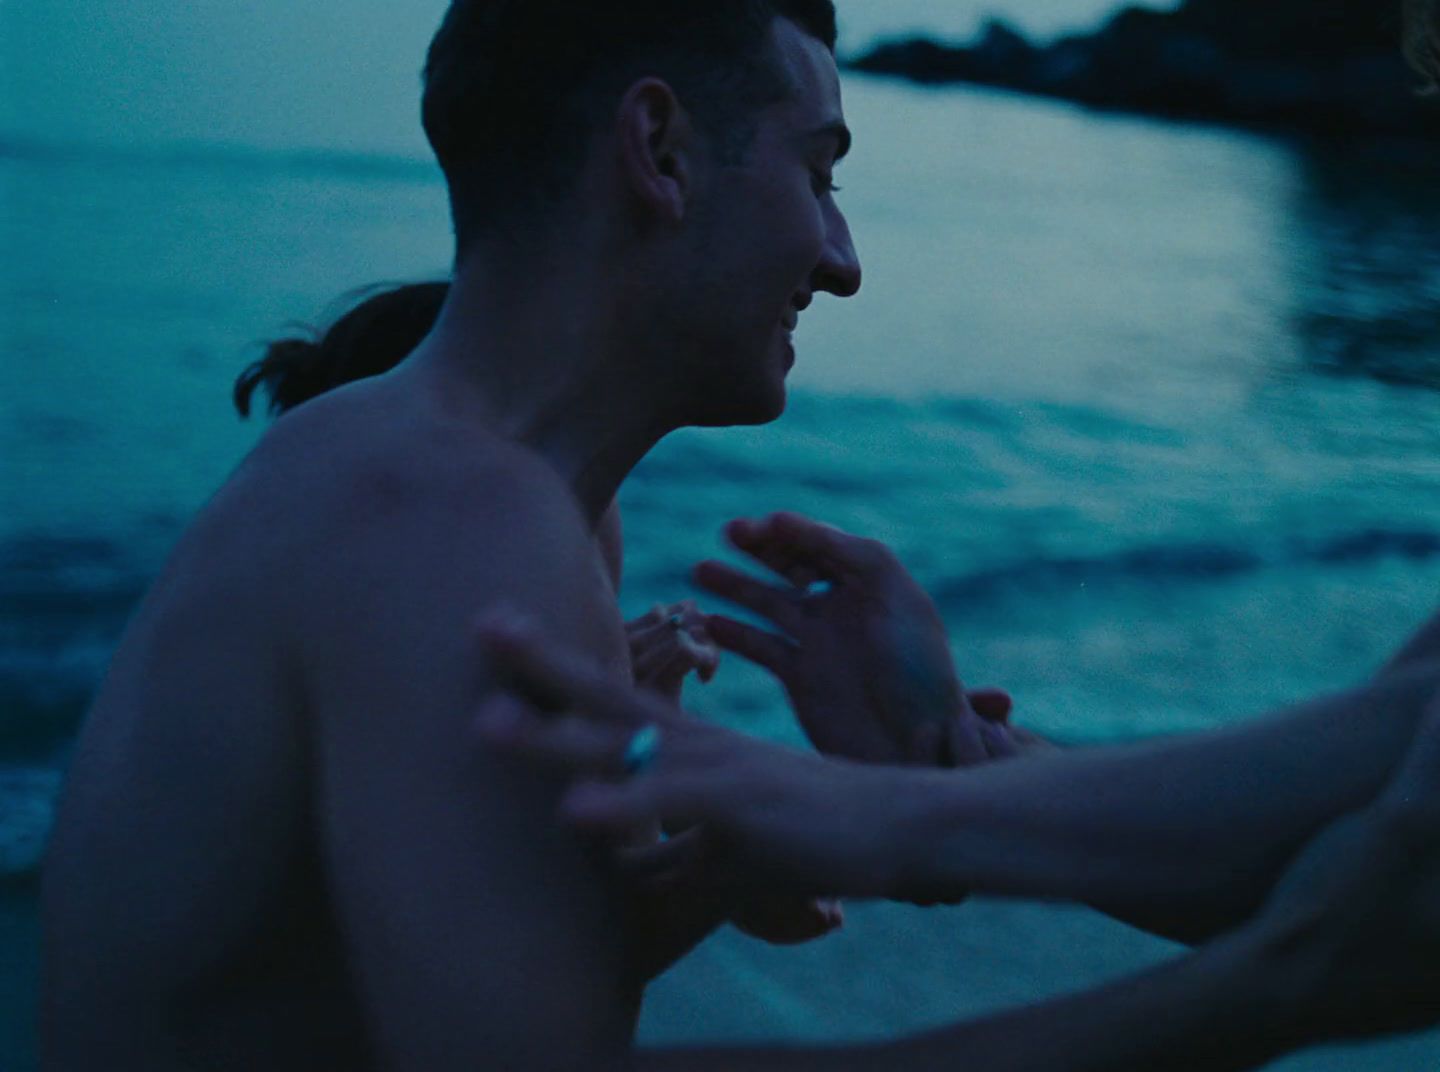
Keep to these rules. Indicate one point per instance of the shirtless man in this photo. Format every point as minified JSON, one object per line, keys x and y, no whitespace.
{"x":274,"y":849}
{"x":1305,"y":847}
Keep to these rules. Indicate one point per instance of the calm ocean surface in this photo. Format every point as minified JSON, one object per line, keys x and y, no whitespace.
{"x":1151,"y":409}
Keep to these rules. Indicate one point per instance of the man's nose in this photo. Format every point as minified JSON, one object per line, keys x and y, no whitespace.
{"x":838,"y":272}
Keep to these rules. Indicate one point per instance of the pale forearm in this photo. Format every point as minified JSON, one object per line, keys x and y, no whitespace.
{"x":1198,"y":824}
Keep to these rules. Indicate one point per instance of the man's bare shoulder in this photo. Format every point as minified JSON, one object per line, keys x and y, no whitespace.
{"x":364,"y":456}
{"x":383,"y":508}
{"x":353,"y":506}
{"x":345,"y":484}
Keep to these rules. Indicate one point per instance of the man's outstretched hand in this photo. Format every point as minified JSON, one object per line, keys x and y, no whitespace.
{"x":859,"y":647}
{"x":669,"y":643}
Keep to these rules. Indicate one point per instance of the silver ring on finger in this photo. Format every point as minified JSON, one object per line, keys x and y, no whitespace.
{"x":641,"y":751}
{"x":676,"y":622}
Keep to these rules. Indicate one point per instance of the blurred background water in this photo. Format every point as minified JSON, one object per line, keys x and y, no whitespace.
{"x":1150,"y":408}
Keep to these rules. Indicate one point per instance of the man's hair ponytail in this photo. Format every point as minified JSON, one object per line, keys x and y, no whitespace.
{"x":373,"y":337}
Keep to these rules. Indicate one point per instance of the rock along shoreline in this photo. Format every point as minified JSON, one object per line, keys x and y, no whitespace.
{"x":1324,"y":67}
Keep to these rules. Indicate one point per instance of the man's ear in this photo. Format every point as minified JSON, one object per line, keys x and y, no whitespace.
{"x":657,"y":144}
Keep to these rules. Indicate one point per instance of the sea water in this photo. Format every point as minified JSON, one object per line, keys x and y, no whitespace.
{"x":1150,"y":409}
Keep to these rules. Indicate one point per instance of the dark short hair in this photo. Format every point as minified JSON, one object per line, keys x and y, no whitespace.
{"x":513,"y":88}
{"x":372,"y":337}
{"x":1422,"y":39}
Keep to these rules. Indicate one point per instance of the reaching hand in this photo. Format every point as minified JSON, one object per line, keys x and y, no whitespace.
{"x":667,"y":644}
{"x":767,"y":819}
{"x":1355,"y":921}
{"x":694,"y":864}
{"x":864,"y":659}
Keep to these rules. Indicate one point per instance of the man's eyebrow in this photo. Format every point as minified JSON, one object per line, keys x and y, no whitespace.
{"x":837,"y":130}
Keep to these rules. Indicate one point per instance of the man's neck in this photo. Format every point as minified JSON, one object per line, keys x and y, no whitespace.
{"x":539,"y":356}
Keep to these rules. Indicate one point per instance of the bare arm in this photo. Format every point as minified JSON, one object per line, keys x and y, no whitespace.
{"x":1200,"y":824}
{"x":1345,"y":946}
{"x":480,"y":935}
{"x":1185,"y":837}
{"x":1182,"y":837}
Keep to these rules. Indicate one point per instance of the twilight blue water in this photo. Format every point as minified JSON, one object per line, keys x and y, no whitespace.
{"x":277,"y":75}
{"x":1151,"y":409}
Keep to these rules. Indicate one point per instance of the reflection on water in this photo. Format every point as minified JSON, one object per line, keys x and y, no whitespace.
{"x":1367,"y":262}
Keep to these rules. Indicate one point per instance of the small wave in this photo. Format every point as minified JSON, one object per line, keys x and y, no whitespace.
{"x":27,"y":812}
{"x":800,"y":464}
{"x":63,"y":604}
{"x":1378,"y":543}
{"x":44,"y":692}
{"x":1182,"y":564}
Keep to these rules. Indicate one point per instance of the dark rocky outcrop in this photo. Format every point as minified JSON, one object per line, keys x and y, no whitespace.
{"x":1315,"y":65}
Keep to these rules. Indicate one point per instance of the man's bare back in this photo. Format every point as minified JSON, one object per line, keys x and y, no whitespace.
{"x":276,"y":844}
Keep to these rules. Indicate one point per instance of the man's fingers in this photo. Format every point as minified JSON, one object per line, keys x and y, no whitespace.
{"x":665,"y":619}
{"x":752,"y":538}
{"x":993,"y":705}
{"x":551,"y":681}
{"x":965,"y":746}
{"x":662,"y":656}
{"x":833,"y":553}
{"x":556,"y":681}
{"x":708,"y":659}
{"x":607,"y":799}
{"x":707,"y":672}
{"x":678,"y":656}
{"x":768,"y":650}
{"x":779,"y":605}
{"x":997,"y":741}
{"x":669,"y":679}
{"x":646,"y":630}
{"x":576,"y":745}
{"x":619,"y":807}
{"x":667,"y":862}
{"x":651,"y":664}
{"x":702,"y":656}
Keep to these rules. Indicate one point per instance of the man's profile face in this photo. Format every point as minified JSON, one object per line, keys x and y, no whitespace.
{"x":773,"y":236}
